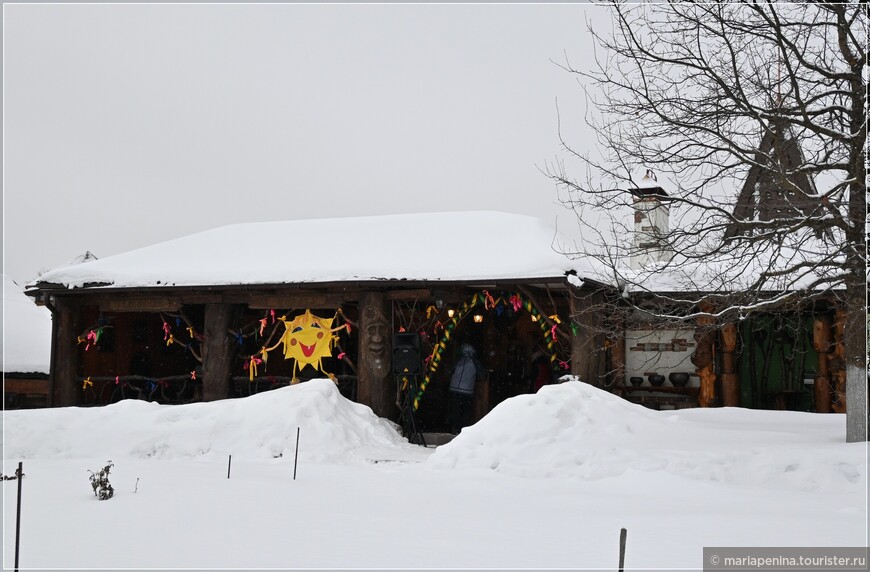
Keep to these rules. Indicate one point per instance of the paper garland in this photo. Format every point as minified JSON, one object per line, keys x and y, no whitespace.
{"x":517,"y":302}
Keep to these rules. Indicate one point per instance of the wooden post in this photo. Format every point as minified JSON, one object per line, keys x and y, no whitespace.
{"x":587,"y":342}
{"x":64,"y":388}
{"x":838,"y":363}
{"x":217,"y":351}
{"x":376,"y":386}
{"x":703,"y":356}
{"x":615,"y":341}
{"x":296,"y":455}
{"x":730,"y":378}
{"x":822,"y":343}
{"x":623,"y":534}
{"x":20,"y":474}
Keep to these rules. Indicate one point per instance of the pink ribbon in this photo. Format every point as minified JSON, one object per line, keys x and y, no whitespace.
{"x":553,"y":332}
{"x":516,"y":303}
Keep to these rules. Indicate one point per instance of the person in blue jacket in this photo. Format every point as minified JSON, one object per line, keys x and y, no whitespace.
{"x":466,"y":373}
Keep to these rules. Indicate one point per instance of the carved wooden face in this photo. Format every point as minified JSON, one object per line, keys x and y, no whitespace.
{"x":376,"y":344}
{"x":308,"y":339}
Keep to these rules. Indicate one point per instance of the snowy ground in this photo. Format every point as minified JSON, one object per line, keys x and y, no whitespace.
{"x":544,"y":481}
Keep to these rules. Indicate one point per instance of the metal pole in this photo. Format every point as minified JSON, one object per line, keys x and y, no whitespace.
{"x":18,"y":514}
{"x":622,"y":534}
{"x":296,"y":457}
{"x":229,"y":465}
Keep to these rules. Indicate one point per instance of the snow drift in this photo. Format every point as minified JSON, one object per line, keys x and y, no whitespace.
{"x":576,"y":430}
{"x":261,"y":426}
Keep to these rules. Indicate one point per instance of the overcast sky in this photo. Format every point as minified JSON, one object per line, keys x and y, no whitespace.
{"x":127,"y":125}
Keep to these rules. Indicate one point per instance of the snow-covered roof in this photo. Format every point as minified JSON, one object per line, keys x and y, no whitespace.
{"x":800,"y":262}
{"x":446,"y":246}
{"x":26,"y":344}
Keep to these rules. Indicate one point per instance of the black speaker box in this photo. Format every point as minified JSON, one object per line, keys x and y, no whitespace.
{"x":406,"y":354}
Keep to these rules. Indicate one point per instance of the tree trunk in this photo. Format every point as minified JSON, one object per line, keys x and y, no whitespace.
{"x":218,"y":351}
{"x":854,"y":345}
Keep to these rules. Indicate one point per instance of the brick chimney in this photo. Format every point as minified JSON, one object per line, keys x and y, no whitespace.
{"x":651,"y":227}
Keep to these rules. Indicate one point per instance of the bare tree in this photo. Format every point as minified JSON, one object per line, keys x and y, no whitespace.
{"x":755,"y":114}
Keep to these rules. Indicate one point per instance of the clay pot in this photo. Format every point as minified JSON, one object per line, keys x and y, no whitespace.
{"x":656,"y":380}
{"x":635,"y":380}
{"x":679,"y":378}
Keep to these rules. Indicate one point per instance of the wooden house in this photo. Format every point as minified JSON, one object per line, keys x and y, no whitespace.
{"x":790,"y":356}
{"x":210,"y":316}
{"x":203,"y":317}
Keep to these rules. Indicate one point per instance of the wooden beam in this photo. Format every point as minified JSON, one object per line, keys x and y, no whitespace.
{"x":730,"y":377}
{"x":823,"y":340}
{"x":409,"y":294}
{"x":18,"y":385}
{"x":204,"y":298}
{"x":588,"y":343}
{"x":64,"y":373}
{"x":297,"y":301}
{"x":140,"y":304}
{"x":218,"y":351}
{"x":703,"y":358}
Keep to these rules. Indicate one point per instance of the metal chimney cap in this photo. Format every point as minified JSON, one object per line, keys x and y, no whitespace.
{"x":648,"y":187}
{"x":644,"y":192}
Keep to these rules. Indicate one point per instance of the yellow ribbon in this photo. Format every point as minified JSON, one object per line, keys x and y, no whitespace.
{"x":429,"y":311}
{"x":190,"y":331}
{"x":252,"y":368}
{"x":170,"y":340}
{"x":556,"y":319}
{"x":87,"y":382}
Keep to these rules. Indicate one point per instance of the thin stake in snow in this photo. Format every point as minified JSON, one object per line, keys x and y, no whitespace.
{"x":622,"y":534}
{"x":229,"y":465}
{"x":296,"y":457}
{"x":136,"y":488}
{"x":20,"y":475}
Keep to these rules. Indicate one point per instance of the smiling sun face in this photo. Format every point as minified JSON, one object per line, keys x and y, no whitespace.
{"x":308,"y":339}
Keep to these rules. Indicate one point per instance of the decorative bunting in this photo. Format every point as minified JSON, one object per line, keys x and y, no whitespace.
{"x":516,"y":302}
